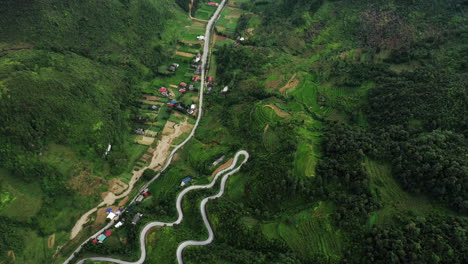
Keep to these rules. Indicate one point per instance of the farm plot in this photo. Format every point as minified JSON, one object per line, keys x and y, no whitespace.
{"x":308,"y":233}
{"x":263,"y":116}
{"x":205,"y":11}
{"x":227,"y":23}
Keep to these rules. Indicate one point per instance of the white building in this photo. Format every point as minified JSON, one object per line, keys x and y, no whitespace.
{"x":112,"y":215}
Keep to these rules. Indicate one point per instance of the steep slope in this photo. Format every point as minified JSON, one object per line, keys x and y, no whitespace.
{"x":69,"y":75}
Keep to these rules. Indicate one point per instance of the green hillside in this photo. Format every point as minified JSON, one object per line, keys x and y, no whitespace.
{"x":353,"y":113}
{"x":70,"y":73}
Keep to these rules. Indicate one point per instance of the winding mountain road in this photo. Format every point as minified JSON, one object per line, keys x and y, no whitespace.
{"x":228,"y":172}
{"x":206,"y":50}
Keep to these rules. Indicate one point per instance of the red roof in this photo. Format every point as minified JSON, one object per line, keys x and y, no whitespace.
{"x":146,"y":193}
{"x":94,"y":240}
{"x":108,"y":233}
{"x":210,"y":78}
{"x":196,"y":78}
{"x":163,"y":89}
{"x":171,"y":105}
{"x":183,"y":84}
{"x":182,"y":90}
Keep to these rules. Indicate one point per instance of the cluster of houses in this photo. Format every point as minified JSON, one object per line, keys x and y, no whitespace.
{"x":113,"y":216}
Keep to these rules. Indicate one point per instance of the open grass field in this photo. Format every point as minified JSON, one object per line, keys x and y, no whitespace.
{"x":18,"y":200}
{"x":387,"y":190}
{"x":308,"y":232}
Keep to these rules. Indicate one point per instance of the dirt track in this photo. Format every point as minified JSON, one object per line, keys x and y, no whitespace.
{"x":222,"y":167}
{"x":293,"y":82}
{"x":278,"y":111}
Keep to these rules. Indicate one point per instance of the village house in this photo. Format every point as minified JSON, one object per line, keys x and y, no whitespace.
{"x":136,"y":218}
{"x":153,"y":107}
{"x":218,"y":161}
{"x":192,"y":109}
{"x":139,"y":131}
{"x":185,"y":181}
{"x":173,"y":67}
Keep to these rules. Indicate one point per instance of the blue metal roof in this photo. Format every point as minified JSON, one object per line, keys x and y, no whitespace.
{"x":102,"y":237}
{"x":187,"y":179}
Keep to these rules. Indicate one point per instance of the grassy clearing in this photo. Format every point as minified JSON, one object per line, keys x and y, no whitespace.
{"x":19,"y":200}
{"x":394,"y":199}
{"x":308,"y":232}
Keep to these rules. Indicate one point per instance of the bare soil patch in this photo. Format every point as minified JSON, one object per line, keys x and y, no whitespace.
{"x":146,"y":157}
{"x":278,"y":111}
{"x":85,"y":183}
{"x":220,"y":38}
{"x":191,"y":41}
{"x":170,"y":132}
{"x":222,"y":167}
{"x":274,"y":84}
{"x":144,"y":140}
{"x":12,"y":255}
{"x":51,"y":241}
{"x":292,"y":83}
{"x":117,"y":186}
{"x":124,"y":201}
{"x":151,"y":97}
{"x":185,"y":54}
{"x":266,"y":128}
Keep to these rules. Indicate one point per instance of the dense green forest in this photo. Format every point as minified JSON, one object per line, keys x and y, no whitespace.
{"x":70,"y":72}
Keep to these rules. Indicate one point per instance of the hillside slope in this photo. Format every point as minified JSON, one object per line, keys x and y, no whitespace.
{"x":69,"y":74}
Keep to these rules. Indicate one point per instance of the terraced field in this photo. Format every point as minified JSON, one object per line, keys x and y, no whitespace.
{"x":263,"y":116}
{"x":308,"y":233}
{"x":387,"y":190}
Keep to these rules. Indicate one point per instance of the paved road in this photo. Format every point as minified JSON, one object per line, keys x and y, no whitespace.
{"x":206,"y":50}
{"x":230,"y":170}
{"x":203,"y":203}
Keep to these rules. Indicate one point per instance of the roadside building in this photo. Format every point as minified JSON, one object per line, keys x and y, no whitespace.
{"x":139,"y":131}
{"x":153,"y":107}
{"x":119,"y":224}
{"x":108,"y":233}
{"x":136,"y":218}
{"x":196,"y":78}
{"x":201,"y":37}
{"x":112,"y":215}
{"x":101,"y":238}
{"x":192,"y":109}
{"x":225,"y":89}
{"x":185,"y":181}
{"x":219,"y":160}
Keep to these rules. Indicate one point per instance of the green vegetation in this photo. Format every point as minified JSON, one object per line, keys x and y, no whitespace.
{"x":353,"y":112}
